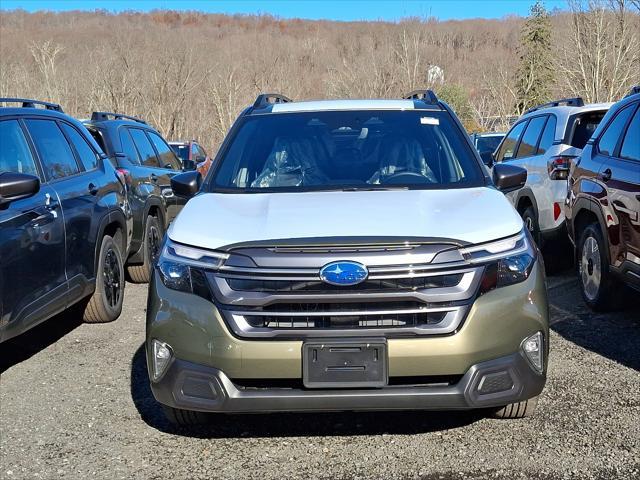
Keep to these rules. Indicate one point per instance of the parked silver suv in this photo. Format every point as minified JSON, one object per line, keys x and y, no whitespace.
{"x":544,"y":141}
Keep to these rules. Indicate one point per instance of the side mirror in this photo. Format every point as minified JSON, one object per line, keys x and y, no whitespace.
{"x":186,"y":184}
{"x":15,"y":186}
{"x":200,"y":159}
{"x":487,"y":158}
{"x":508,"y":178}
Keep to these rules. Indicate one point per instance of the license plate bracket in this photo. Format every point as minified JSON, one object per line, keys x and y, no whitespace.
{"x":345,"y":363}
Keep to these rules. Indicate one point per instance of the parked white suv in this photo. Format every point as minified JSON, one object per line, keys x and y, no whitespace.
{"x":544,"y":141}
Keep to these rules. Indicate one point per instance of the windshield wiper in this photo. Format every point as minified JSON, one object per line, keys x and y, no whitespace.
{"x":372,"y":189}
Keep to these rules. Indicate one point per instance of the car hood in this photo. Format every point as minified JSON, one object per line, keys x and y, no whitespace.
{"x":469,"y":215}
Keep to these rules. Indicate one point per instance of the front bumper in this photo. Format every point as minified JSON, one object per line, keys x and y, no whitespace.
{"x":492,"y":383}
{"x":204,"y":348}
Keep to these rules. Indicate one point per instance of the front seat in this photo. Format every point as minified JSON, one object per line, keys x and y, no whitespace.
{"x":291,"y":163}
{"x":402,"y":155}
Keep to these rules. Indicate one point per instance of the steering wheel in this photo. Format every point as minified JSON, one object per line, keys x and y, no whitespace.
{"x":404,"y":177}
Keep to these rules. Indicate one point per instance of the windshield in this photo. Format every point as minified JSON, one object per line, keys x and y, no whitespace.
{"x":488,"y":144}
{"x":347,"y":149}
{"x":182,"y":151}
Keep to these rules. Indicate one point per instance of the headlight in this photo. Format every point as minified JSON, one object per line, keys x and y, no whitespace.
{"x":183,"y":268}
{"x":508,"y":261}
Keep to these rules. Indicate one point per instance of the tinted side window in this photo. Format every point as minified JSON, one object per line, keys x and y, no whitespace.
{"x":548,"y":135}
{"x":128,"y":148}
{"x":15,"y":155}
{"x":530,"y":138}
{"x":87,"y":156}
{"x":585,"y":125}
{"x":167,"y":157}
{"x":609,"y":139}
{"x":57,"y":158}
{"x":147,"y":153}
{"x":508,"y":148}
{"x":631,"y":143}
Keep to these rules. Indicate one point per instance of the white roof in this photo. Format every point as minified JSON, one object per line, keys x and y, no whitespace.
{"x":324,"y":105}
{"x":566,"y":110}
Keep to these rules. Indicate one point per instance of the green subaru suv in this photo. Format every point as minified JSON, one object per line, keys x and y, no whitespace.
{"x":347,"y":255}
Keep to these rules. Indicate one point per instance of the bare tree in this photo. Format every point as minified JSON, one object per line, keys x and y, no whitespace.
{"x":46,"y":58}
{"x":603,"y":57}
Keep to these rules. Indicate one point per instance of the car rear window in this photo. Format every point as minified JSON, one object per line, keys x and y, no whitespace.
{"x":331,"y":150}
{"x":489,"y":143}
{"x":182,"y":151}
{"x":584,"y":126}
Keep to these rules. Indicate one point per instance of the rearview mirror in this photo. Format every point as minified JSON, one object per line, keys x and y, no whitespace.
{"x":15,"y":186}
{"x":186,"y":184}
{"x":508,"y":178}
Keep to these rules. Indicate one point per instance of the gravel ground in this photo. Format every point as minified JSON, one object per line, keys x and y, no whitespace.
{"x":75,"y":404}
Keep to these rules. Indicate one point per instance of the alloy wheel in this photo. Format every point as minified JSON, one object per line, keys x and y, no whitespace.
{"x":590,"y":268}
{"x":111,"y":274}
{"x":153,"y":244}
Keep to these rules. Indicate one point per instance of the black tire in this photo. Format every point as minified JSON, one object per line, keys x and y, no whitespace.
{"x":105,"y":305}
{"x":530,"y":220}
{"x":184,"y":418}
{"x":523,"y":409}
{"x":151,"y":241}
{"x":598,"y":287}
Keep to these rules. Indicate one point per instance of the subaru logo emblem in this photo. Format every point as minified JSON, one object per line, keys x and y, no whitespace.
{"x":344,"y":273}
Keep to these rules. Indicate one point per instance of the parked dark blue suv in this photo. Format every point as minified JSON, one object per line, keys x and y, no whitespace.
{"x":64,"y":220}
{"x":146,"y":160}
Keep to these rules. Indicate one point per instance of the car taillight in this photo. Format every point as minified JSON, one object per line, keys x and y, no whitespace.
{"x":558,"y":167}
{"x":124,"y":176}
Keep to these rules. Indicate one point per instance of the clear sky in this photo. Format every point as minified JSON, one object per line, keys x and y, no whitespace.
{"x":309,"y":9}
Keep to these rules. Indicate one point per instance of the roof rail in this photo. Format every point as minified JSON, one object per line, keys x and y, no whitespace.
{"x":569,"y":102}
{"x":104,"y":116}
{"x":633,"y":91}
{"x":266,"y":99}
{"x":28,"y":103}
{"x":427,"y":96}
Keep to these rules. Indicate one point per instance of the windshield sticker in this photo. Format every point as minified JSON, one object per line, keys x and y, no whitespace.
{"x":429,"y":121}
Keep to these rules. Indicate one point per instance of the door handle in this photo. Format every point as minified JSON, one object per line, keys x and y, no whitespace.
{"x":93,"y":190}
{"x":153,"y":177}
{"x":606,"y":175}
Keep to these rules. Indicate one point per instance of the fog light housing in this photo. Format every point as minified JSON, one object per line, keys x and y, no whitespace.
{"x":161,"y":357}
{"x":533,"y":349}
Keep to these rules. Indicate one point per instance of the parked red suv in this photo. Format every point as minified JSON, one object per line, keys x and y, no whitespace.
{"x":603,"y":206}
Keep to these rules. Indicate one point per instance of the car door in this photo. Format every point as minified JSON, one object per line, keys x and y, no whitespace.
{"x":33,"y":285}
{"x":158,"y":179}
{"x":620,"y":173}
{"x":533,"y":160}
{"x":70,"y":166}
{"x":508,"y":147}
{"x":172,"y":166}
